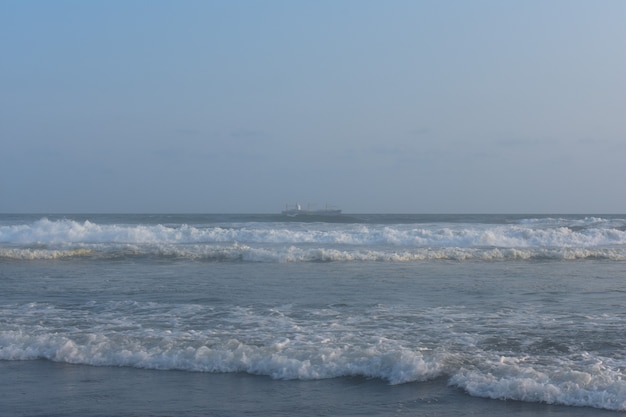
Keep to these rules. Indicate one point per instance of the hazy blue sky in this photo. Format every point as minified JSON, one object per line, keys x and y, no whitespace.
{"x":373,"y":106}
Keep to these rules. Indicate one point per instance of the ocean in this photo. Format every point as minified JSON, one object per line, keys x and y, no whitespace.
{"x":350,"y":315}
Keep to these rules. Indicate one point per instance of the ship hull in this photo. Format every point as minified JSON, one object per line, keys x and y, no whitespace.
{"x":296,"y":212}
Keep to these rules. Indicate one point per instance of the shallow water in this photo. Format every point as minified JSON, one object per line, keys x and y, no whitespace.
{"x":43,"y":388}
{"x":372,"y":316}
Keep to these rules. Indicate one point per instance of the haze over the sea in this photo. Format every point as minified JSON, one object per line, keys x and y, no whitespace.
{"x":372,"y":106}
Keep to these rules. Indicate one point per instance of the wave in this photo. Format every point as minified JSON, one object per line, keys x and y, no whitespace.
{"x":280,"y":359}
{"x":589,"y":238}
{"x":463,"y":235}
{"x":322,"y":344}
{"x":294,"y":254}
{"x":597,"y":385}
{"x":32,"y":254}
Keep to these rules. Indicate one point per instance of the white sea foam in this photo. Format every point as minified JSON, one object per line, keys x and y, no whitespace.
{"x":195,"y":338}
{"x":396,"y":345}
{"x":284,"y":359}
{"x":441,"y":235}
{"x":31,"y":254}
{"x":292,"y":253}
{"x":589,"y":381}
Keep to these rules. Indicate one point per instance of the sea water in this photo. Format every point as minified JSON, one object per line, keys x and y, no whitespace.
{"x":344,"y":315}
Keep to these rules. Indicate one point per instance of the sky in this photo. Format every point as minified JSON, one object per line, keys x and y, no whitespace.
{"x":482,"y":106}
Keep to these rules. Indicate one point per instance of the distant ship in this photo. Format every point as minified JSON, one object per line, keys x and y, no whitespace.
{"x":299,"y":211}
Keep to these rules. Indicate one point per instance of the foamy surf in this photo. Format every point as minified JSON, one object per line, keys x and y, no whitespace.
{"x":318,"y":344}
{"x":530,"y":239}
{"x":502,"y":307}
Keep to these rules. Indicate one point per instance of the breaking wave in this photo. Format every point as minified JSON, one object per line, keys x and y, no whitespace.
{"x":395,"y":346}
{"x":289,"y":254}
{"x":561,"y":239}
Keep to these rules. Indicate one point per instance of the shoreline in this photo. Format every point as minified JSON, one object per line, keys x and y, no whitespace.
{"x":45,"y":388}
